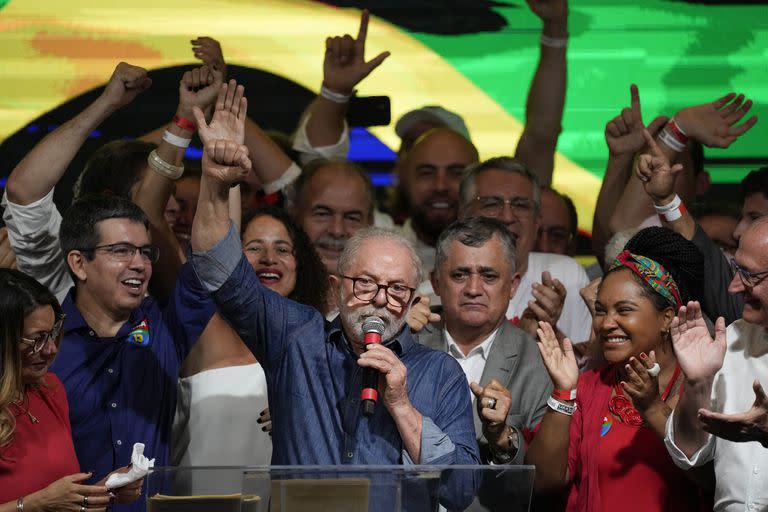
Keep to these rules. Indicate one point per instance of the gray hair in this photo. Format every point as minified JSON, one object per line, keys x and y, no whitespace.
{"x":352,"y":248}
{"x":467,"y":187}
{"x":475,"y":232}
{"x":616,"y":244}
{"x":295,"y":191}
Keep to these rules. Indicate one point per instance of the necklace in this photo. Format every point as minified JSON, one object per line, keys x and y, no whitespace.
{"x":621,"y":406}
{"x":19,"y":403}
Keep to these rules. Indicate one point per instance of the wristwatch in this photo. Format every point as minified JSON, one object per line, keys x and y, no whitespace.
{"x":513,"y":440}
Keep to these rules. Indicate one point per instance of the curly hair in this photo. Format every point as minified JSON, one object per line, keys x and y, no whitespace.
{"x":311,"y":275}
{"x":680,"y":257}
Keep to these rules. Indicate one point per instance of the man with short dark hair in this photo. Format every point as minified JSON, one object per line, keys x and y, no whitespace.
{"x":122,"y":351}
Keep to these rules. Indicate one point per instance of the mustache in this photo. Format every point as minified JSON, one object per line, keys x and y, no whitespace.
{"x":331,"y":242}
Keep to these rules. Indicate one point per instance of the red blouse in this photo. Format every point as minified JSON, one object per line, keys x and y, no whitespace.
{"x":41,"y":452}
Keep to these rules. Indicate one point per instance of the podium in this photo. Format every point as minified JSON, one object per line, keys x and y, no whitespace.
{"x":339,"y":488}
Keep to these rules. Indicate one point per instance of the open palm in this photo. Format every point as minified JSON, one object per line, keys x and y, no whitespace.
{"x":559,"y":361}
{"x":699,"y":356}
{"x":228,"y":121}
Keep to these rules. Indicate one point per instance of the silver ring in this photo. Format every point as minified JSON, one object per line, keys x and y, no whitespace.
{"x":654,"y":370}
{"x":85,"y":501}
{"x":82,"y":508}
{"x":491,"y":403}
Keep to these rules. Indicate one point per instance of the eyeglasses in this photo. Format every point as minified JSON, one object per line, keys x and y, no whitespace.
{"x":556,"y":234}
{"x":367,"y":289}
{"x":750,"y":279}
{"x":493,"y":206}
{"x":124,"y":251}
{"x":38,"y":342}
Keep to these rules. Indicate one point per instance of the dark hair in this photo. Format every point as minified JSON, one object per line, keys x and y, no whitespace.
{"x":755,"y":181}
{"x":79,"y":224}
{"x":20,"y":295}
{"x":113,"y":169}
{"x":311,"y":275}
{"x":295,"y":192}
{"x":680,"y":257}
{"x":475,"y":232}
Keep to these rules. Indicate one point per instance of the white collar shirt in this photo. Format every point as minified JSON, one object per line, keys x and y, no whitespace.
{"x":473,"y":363}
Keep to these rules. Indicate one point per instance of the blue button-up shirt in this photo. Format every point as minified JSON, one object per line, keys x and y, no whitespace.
{"x":122,"y":389}
{"x":314,"y":380}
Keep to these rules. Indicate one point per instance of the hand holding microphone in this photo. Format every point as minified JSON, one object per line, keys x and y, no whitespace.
{"x":373,"y":328}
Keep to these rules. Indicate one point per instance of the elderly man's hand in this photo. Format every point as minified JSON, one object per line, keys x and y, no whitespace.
{"x":392,"y":376}
{"x":494,"y":418}
{"x":751,"y":425}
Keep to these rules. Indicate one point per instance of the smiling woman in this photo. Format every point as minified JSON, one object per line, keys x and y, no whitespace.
{"x":608,"y":442}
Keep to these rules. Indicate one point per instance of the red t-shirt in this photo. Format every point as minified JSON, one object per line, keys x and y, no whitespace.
{"x":41,"y":452}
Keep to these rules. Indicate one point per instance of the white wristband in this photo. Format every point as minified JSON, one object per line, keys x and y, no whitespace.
{"x":554,"y":42}
{"x":560,"y":407}
{"x":333,"y":96}
{"x":674,"y":204}
{"x":670,"y":140}
{"x":175,"y":140}
{"x":163,"y":168}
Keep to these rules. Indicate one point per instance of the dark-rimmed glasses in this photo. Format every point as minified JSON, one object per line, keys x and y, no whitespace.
{"x":123,"y":251}
{"x":493,"y":206}
{"x":39,"y":340}
{"x":750,"y":279}
{"x":366,"y":289}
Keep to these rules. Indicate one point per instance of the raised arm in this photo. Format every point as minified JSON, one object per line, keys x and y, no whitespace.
{"x":197,"y":88}
{"x":546,"y":96}
{"x":43,"y":167}
{"x":624,"y":137}
{"x":344,"y":67}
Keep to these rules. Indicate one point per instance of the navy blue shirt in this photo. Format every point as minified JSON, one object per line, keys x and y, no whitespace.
{"x":314,"y":380}
{"x":122,"y":390}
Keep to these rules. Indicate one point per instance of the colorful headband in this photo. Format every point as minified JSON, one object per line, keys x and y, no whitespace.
{"x":652,"y":273}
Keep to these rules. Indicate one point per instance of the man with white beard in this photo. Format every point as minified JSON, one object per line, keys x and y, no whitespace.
{"x":314,"y":369}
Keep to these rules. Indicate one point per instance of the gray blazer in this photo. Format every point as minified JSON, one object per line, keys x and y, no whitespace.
{"x":514,"y":361}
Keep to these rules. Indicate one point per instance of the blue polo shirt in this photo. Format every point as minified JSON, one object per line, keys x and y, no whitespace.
{"x":122,"y":389}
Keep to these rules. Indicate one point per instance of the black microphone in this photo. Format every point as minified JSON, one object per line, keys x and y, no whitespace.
{"x":373,"y":328}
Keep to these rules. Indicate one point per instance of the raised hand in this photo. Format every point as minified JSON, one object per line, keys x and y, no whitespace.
{"x":199,"y":88}
{"x":640,"y":386}
{"x":226,"y":161}
{"x":744,"y":427}
{"x":549,"y":10}
{"x":208,"y":50}
{"x":228,"y":121}
{"x":624,"y":133}
{"x":125,"y":84}
{"x":549,"y":298}
{"x":560,"y":362}
{"x":714,"y":124}
{"x":699,"y":356}
{"x":419,"y":316}
{"x":654,"y":171}
{"x":344,"y":65}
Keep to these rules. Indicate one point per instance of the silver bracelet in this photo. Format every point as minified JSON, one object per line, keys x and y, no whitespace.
{"x":20,"y":504}
{"x":333,"y":96}
{"x":554,"y":42}
{"x":163,"y":168}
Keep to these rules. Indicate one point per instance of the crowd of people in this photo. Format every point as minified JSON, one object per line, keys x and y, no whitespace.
{"x":172,"y":305}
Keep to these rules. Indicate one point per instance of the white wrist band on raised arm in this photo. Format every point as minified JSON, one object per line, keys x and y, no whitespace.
{"x":175,"y":140}
{"x":560,"y":407}
{"x":163,"y":168}
{"x":554,"y":42}
{"x":672,"y":211}
{"x":333,"y":96}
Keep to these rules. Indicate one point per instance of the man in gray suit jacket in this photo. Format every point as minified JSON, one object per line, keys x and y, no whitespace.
{"x":475,"y":277}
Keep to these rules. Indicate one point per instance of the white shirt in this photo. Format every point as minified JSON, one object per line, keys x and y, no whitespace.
{"x":575,"y":320}
{"x":425,"y":251}
{"x":308,"y":152}
{"x":741,"y":469}
{"x":33,"y":231}
{"x":473,"y":363}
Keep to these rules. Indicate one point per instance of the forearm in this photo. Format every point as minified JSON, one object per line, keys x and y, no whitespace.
{"x":617,"y":173}
{"x":656,"y":417}
{"x":325,"y":122}
{"x":544,"y":106}
{"x":269,"y":161}
{"x":211,"y":223}
{"x":635,"y":206}
{"x":689,"y":434}
{"x":549,"y":452}
{"x":44,"y":166}
{"x":409,"y":423}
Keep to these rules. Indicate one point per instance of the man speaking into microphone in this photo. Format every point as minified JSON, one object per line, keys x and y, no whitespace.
{"x":314,"y":370}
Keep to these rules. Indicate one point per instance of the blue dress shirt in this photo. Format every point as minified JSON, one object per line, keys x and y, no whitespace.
{"x":314,"y":380}
{"x":122,"y":390}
